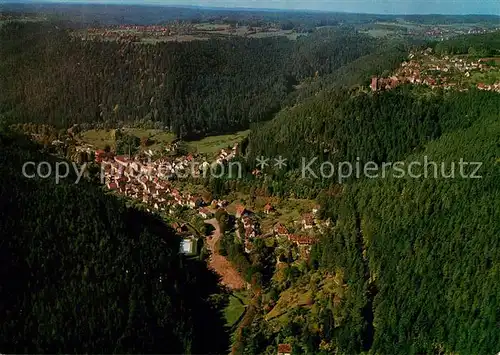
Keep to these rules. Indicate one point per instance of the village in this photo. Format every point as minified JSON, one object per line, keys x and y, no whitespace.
{"x":152,"y":183}
{"x":175,"y":31}
{"x":445,"y":72}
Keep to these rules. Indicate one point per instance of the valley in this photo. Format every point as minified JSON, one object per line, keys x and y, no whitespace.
{"x":194,"y":228}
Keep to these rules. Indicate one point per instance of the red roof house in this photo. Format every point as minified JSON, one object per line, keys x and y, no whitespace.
{"x":240,"y":211}
{"x":284,"y":349}
{"x":280,"y":229}
{"x":268,"y":208}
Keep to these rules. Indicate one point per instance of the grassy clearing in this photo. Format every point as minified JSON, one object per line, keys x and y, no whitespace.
{"x":209,"y":145}
{"x":160,"y":138}
{"x":290,"y":299}
{"x":97,"y":138}
{"x":237,"y":304}
{"x":379,"y":33}
{"x":487,"y":78}
{"x":212,"y":145}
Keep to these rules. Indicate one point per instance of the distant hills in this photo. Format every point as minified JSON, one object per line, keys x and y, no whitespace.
{"x":144,"y":14}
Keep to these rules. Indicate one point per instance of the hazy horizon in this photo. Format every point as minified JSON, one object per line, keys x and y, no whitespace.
{"x":393,"y":7}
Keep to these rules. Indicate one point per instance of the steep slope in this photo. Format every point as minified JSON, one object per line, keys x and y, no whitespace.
{"x":197,"y":87}
{"x":81,"y":272}
{"x":431,"y":246}
{"x":413,"y":261}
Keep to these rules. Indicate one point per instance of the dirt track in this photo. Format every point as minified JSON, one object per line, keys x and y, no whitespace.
{"x":229,"y":275}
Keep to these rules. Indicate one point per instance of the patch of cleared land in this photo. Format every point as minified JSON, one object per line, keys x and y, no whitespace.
{"x":201,"y":31}
{"x":237,"y":304}
{"x":99,"y":138}
{"x":378,"y":32}
{"x":213,"y":144}
{"x":290,"y":299}
{"x":230,"y":277}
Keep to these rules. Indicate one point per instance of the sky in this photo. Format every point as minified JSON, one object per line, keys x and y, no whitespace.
{"x":491,"y":7}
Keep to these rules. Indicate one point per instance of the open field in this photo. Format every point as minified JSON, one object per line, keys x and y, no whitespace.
{"x":183,"y":33}
{"x":487,"y":78}
{"x":237,"y":304}
{"x":289,"y":300}
{"x":99,"y":138}
{"x":212,"y":145}
{"x":158,"y":137}
{"x":379,"y":32}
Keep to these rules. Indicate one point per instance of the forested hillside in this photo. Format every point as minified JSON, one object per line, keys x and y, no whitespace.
{"x":81,"y":272}
{"x":480,"y":45}
{"x":409,"y":265}
{"x":385,"y":265}
{"x":190,"y":88}
{"x":430,"y":248}
{"x":339,"y":125}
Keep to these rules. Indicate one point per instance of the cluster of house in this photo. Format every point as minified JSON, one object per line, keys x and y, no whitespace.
{"x":142,"y":179}
{"x":134,"y":30}
{"x":493,"y":87}
{"x":96,"y":34}
{"x":148,"y":182}
{"x":121,"y":170}
{"x":424,"y":68}
{"x":226,"y":155}
{"x":446,"y":32}
{"x":300,"y":240}
{"x":250,"y":227}
{"x":304,"y":241}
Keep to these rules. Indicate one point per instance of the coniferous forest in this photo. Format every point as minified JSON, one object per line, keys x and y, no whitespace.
{"x":400,"y":265}
{"x":82,"y":272}
{"x":190,"y":88}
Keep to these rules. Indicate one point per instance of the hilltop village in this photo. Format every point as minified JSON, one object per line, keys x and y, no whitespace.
{"x":445,"y":72}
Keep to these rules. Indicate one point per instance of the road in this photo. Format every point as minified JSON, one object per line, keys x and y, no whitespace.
{"x":230,"y":277}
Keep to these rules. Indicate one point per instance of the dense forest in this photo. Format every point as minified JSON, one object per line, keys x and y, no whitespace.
{"x":190,"y":88}
{"x":81,"y":272}
{"x":430,"y":247}
{"x":408,"y":265}
{"x":147,"y":14}
{"x":402,"y":265}
{"x":479,"y":45}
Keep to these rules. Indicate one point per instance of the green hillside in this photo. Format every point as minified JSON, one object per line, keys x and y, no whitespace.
{"x":431,"y":249}
{"x":417,"y":257}
{"x":81,"y":272}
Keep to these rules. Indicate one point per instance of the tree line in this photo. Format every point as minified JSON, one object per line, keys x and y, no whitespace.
{"x":190,"y":88}
{"x":82,"y":272}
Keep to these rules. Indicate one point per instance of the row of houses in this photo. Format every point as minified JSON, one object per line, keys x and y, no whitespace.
{"x":301,"y":240}
{"x":424,"y":68}
{"x":149,"y":181}
{"x":493,"y":87}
